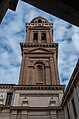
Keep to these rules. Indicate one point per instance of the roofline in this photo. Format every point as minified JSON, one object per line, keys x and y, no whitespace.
{"x":39,"y":17}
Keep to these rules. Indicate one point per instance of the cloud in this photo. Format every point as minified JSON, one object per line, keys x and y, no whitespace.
{"x":13,"y":31}
{"x":9,"y":76}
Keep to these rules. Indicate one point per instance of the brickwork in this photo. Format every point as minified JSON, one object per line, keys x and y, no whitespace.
{"x":39,"y":54}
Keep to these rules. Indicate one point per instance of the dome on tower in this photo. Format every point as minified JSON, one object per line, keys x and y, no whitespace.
{"x":39,"y":20}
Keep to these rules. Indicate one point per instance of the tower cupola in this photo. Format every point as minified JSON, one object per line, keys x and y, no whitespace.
{"x":39,"y":30}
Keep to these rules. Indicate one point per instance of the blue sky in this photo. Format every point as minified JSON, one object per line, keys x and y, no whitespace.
{"x":13,"y":31}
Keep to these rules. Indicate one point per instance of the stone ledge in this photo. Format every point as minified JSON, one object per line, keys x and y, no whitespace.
{"x":32,"y":87}
{"x":51,"y":45}
{"x":36,"y":108}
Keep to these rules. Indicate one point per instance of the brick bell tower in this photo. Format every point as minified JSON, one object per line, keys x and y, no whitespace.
{"x":38,"y":94}
{"x":39,"y":55}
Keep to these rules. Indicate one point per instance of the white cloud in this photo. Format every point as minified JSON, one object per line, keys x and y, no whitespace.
{"x":75,"y":38}
{"x":13,"y":31}
{"x":9,"y":76}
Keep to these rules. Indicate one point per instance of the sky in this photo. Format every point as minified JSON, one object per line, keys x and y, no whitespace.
{"x":13,"y":31}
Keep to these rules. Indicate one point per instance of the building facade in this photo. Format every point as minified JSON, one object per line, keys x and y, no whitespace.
{"x":70,"y":100}
{"x":38,"y":93}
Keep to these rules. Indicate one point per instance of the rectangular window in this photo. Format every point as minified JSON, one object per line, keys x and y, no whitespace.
{"x":35,"y":36}
{"x":68,"y":113}
{"x":43,"y":36}
{"x":9,"y":99}
{"x":74,"y":108}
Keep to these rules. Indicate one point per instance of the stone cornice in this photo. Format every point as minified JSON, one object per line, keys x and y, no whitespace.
{"x":40,"y":87}
{"x":7,"y":86}
{"x":39,"y":24}
{"x":32,"y":87}
{"x":44,"y":45}
{"x":36,"y":108}
{"x":31,"y":108}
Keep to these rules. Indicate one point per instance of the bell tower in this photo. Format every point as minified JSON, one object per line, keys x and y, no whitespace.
{"x":39,"y":55}
{"x":38,"y":94}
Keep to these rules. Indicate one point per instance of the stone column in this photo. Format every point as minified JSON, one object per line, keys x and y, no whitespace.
{"x":52,"y":71}
{"x":39,"y":36}
{"x":48,"y":78}
{"x":35,"y":76}
{"x":16,"y":99}
{"x":47,"y":36}
{"x":22,"y":70}
{"x":30,"y":75}
{"x":51,"y":35}
{"x":31,"y":37}
{"x":27,"y":36}
{"x":56,"y":69}
{"x":25,"y":79}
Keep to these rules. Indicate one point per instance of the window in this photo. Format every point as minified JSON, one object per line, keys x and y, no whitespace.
{"x":43,"y":36}
{"x":39,"y":21}
{"x":35,"y":37}
{"x":68,"y":113}
{"x":74,"y":108}
{"x":9,"y":99}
